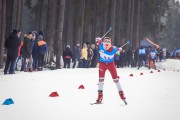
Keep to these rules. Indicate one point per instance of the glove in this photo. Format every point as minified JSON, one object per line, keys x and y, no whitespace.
{"x":120,"y":49}
{"x":98,"y":39}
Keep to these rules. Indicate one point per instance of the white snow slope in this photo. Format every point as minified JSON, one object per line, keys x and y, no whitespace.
{"x":152,"y":96}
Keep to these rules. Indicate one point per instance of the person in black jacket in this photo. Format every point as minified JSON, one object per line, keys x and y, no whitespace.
{"x":67,"y":55}
{"x":129,"y":57}
{"x":11,"y":44}
{"x":76,"y":54}
{"x":95,"y":56}
{"x":27,"y":52}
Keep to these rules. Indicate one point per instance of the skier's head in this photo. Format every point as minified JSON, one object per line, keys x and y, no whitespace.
{"x":107,"y":43}
{"x":77,"y":43}
{"x":40,"y":37}
{"x":67,"y":46}
{"x":84,"y":45}
{"x":98,"y":38}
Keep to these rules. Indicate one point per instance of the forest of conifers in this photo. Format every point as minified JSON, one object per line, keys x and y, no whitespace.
{"x":66,"y":21}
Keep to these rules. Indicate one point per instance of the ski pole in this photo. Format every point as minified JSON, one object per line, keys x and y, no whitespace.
{"x":125,"y":44}
{"x":110,"y":28}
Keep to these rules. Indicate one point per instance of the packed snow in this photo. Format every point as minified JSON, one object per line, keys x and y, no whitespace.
{"x":151,"y":96}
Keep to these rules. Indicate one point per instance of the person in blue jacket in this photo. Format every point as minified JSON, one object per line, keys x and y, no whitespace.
{"x":42,"y":49}
{"x":142,"y":56}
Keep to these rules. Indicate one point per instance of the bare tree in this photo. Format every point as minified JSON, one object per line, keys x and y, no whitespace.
{"x":17,"y":13}
{"x":41,"y":18}
{"x":80,"y":20}
{"x":118,"y":27}
{"x":59,"y":33}
{"x":70,"y":23}
{"x":137,"y":24}
{"x":50,"y":27}
{"x":2,"y":29}
{"x":112,"y":18}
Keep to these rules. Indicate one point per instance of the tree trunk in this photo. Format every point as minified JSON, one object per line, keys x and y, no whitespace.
{"x":80,"y":21}
{"x":132,"y":23}
{"x":17,"y":9}
{"x":14,"y":14}
{"x":112,"y":19}
{"x":9,"y":16}
{"x":70,"y":27}
{"x":128,"y":30}
{"x":104,"y":14}
{"x":141,"y":21}
{"x":50,"y":28}
{"x":41,"y":18}
{"x":59,"y":30}
{"x":118,"y":27}
{"x":137,"y":30}
{"x":2,"y":29}
{"x":18,"y":14}
{"x":94,"y":20}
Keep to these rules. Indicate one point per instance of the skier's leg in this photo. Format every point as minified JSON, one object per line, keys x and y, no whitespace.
{"x":102,"y":70}
{"x":112,"y":70}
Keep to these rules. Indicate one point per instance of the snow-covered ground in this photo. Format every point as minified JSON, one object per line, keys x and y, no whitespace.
{"x":151,"y":96}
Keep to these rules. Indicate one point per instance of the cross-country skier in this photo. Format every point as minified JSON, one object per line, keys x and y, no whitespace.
{"x":107,"y":52}
{"x":152,"y":58}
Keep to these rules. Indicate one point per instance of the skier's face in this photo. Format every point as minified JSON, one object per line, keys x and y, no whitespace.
{"x":107,"y":45}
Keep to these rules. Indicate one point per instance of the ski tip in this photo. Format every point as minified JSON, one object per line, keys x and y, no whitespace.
{"x":96,"y":103}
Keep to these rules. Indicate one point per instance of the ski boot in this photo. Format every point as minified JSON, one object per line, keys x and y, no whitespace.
{"x":100,"y":97}
{"x":121,"y":94}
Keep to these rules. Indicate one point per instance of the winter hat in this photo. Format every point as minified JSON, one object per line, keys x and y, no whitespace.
{"x":84,"y":45}
{"x":77,"y":42}
{"x":87,"y":43}
{"x":14,"y":31}
{"x":18,"y":31}
{"x":30,"y":33}
{"x":68,"y":46}
{"x":40,"y":37}
{"x":107,"y":39}
{"x":98,"y":38}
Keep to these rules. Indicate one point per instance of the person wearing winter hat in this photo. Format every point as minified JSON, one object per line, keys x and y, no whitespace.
{"x":67,"y":55}
{"x":76,"y":54}
{"x":11,"y":44}
{"x":42,"y":49}
{"x":107,"y":52}
{"x":26,"y":53}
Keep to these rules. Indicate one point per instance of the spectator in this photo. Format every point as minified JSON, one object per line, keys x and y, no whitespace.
{"x":42,"y":49}
{"x":35,"y":52}
{"x":95,"y":56}
{"x":84,"y":56}
{"x":26,"y":53}
{"x":11,"y":44}
{"x":129,"y":57}
{"x":76,"y":54}
{"x":67,"y":55}
{"x":89,"y":54}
